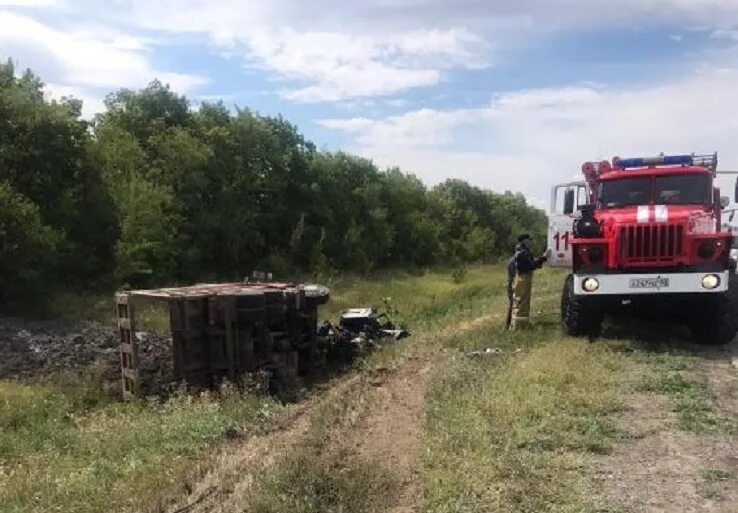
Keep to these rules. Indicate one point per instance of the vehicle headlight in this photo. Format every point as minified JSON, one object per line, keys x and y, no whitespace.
{"x":590,"y":284}
{"x":710,"y":281}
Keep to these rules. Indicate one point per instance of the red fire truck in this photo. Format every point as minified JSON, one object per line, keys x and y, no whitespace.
{"x":645,"y":234}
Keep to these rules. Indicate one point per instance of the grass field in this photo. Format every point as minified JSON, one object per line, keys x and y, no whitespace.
{"x":512,"y":432}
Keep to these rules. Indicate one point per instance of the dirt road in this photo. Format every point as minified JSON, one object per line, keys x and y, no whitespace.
{"x":665,"y":469}
{"x":384,"y":428}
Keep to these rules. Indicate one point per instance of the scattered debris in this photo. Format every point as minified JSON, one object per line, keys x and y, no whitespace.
{"x":359,"y":329}
{"x":490,"y":351}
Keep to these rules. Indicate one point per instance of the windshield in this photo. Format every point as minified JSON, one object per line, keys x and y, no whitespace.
{"x":682,"y":190}
{"x":667,"y":190}
{"x":626,"y":191}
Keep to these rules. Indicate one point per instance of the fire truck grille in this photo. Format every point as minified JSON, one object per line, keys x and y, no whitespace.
{"x":651,"y":243}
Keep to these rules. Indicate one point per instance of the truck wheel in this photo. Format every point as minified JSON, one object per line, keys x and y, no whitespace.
{"x":316,"y":295}
{"x":579,"y":317}
{"x":714,"y":322}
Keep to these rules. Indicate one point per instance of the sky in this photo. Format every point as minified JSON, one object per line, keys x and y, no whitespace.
{"x":508,"y":95}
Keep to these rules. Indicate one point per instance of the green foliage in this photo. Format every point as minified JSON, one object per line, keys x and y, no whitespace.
{"x":27,"y":247}
{"x":458,"y":274}
{"x":145,"y":249}
{"x":51,"y":190}
{"x":715,"y":474}
{"x":158,"y":193}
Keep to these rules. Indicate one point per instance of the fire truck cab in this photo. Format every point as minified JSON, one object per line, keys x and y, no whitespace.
{"x":645,"y":232}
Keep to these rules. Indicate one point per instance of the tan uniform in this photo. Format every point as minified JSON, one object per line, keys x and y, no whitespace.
{"x":522,"y":285}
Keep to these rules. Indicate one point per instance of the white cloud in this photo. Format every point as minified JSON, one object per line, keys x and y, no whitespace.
{"x":326,"y":51}
{"x":424,"y":127}
{"x":529,"y":140}
{"x":99,"y":58}
{"x":26,"y":3}
{"x":723,"y":33}
{"x":332,"y":51}
{"x":336,"y":56}
{"x":338,"y":66}
{"x":91,"y":103}
{"x":235,"y":16}
{"x":86,"y":62}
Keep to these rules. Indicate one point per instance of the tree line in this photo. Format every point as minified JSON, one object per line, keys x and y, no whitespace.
{"x":153,"y":192}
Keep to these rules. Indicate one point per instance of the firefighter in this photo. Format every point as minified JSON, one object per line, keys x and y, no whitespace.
{"x":520,"y":281}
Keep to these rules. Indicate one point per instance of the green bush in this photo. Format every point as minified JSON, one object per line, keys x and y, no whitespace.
{"x":27,"y":248}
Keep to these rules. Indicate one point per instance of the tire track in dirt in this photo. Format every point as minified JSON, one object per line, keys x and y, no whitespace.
{"x":666,"y":471}
{"x":391,"y":432}
{"x":225,"y":486}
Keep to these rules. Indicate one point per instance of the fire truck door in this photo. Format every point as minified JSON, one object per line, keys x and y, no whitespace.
{"x":566,"y":200}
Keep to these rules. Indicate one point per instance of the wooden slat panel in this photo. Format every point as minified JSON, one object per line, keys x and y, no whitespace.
{"x":130,"y":374}
{"x":229,"y":339}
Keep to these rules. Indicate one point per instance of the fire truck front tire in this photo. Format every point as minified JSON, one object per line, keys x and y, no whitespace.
{"x":714,"y":322}
{"x":580,"y":316}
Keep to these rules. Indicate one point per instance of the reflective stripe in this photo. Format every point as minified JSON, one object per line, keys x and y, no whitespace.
{"x":643,"y":213}
{"x":662,"y":213}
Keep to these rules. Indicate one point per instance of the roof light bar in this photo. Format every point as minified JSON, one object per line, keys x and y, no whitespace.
{"x":708,"y":161}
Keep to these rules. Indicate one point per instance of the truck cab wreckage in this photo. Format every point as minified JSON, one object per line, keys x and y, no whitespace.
{"x":645,"y":233}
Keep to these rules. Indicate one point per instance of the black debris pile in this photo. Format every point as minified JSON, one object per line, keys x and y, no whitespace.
{"x":358,"y":330}
{"x":33,"y":350}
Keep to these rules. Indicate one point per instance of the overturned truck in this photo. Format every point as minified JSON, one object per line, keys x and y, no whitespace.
{"x":224,"y":331}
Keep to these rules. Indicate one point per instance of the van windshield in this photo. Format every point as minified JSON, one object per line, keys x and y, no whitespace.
{"x":626,"y":191}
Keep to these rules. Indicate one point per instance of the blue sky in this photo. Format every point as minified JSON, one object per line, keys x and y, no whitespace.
{"x":506,"y":94}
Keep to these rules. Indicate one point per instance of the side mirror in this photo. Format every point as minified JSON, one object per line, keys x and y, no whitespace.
{"x":569,"y":200}
{"x":724,"y":201}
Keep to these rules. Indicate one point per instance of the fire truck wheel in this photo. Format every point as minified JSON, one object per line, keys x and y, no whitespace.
{"x":714,"y":322}
{"x":579,"y":317}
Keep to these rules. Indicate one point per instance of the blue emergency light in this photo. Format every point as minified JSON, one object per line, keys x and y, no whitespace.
{"x":709,"y":161}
